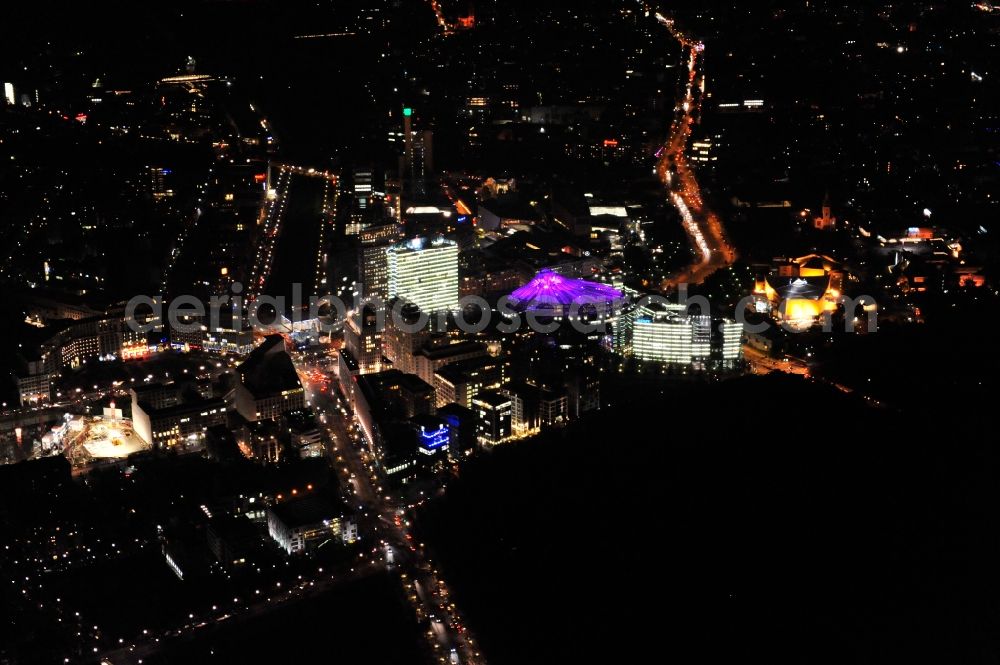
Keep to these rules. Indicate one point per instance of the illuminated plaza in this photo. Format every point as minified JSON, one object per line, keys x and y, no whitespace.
{"x":101,"y":438}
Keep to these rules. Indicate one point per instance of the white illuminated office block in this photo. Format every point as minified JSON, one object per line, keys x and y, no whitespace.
{"x":425,"y":273}
{"x":663,"y":341}
{"x":732,"y":340}
{"x":666,"y":334}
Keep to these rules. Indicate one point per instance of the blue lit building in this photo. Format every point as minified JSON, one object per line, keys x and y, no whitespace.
{"x":433,"y":435}
{"x":462,"y":426}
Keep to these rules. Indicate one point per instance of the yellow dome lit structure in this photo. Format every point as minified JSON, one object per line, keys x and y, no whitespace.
{"x":801,"y":290}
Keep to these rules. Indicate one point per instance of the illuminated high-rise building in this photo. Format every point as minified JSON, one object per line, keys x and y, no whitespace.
{"x":425,"y":273}
{"x":373,"y":260}
{"x":421,"y":161}
{"x":662,"y":335}
{"x":493,"y":415}
{"x":159,"y":182}
{"x":363,"y":339}
{"x":363,"y":189}
{"x":703,"y":150}
{"x":417,"y":160}
{"x":368,"y":206}
{"x":730,"y":346}
{"x":666,"y":334}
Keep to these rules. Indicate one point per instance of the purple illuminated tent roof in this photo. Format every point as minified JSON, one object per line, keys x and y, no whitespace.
{"x":550,"y":290}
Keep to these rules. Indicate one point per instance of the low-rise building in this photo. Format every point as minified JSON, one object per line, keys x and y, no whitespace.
{"x":303,"y":524}
{"x":172,"y":425}
{"x":34,"y":381}
{"x":228,"y":342}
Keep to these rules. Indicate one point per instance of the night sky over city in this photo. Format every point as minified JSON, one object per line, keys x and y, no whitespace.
{"x":466,"y":331}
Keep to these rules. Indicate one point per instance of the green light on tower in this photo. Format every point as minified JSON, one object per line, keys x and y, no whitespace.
{"x":407,"y":111}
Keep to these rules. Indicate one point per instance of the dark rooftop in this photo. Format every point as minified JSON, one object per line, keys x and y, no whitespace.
{"x":439,"y":352}
{"x":309,"y":510}
{"x":269,"y":369}
{"x":463,"y":370}
{"x":492,"y":397}
{"x":184,"y":407}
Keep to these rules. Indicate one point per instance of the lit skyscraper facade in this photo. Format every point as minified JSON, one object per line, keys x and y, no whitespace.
{"x":425,"y":273}
{"x":731,"y":347}
{"x":372,"y":258}
{"x":666,"y":334}
{"x":666,"y":338}
{"x":363,"y":338}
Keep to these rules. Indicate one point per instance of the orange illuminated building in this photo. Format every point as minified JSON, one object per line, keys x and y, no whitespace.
{"x":801,"y":290}
{"x":920,"y":233}
{"x":970,"y":277}
{"x":826,"y":221}
{"x":138,"y":351}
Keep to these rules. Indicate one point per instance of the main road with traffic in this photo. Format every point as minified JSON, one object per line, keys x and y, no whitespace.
{"x":447,"y":635}
{"x":704,"y":228}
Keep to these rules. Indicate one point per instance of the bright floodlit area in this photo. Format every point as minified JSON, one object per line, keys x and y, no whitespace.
{"x":103,"y":438}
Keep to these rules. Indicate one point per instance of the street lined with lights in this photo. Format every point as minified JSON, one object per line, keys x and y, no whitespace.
{"x":703,"y":226}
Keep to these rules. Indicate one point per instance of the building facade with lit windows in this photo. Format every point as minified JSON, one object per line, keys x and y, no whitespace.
{"x":493,"y":414}
{"x":462,"y":427}
{"x":389,"y":397}
{"x":459,"y":382}
{"x":663,"y":338}
{"x":363,"y":339}
{"x":666,"y":334}
{"x":363,"y":193}
{"x":534,"y":407}
{"x":425,"y":272}
{"x":730,"y":347}
{"x":703,"y":150}
{"x":33,"y":377}
{"x":373,"y":259}
{"x":400,"y":344}
{"x":88,"y":340}
{"x":34,"y":388}
{"x":228,"y":342}
{"x":300,"y":525}
{"x":172,"y":425}
{"x":433,"y":435}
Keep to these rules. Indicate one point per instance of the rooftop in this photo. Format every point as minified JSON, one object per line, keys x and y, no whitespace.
{"x":183,"y":407}
{"x":308,"y":510}
{"x":492,"y":398}
{"x":799,"y":288}
{"x":269,"y":369}
{"x":464,"y":370}
{"x":449,"y":350}
{"x":550,"y":289}
{"x":422,"y":244}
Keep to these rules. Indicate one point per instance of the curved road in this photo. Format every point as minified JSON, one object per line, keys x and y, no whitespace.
{"x":703,"y":226}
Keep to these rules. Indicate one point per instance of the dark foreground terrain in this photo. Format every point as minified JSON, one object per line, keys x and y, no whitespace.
{"x":808,"y":528}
